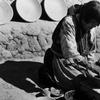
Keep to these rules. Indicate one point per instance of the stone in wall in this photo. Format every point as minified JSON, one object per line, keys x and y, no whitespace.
{"x":25,"y":40}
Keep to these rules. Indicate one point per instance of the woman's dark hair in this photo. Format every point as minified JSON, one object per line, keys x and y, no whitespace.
{"x":90,"y":11}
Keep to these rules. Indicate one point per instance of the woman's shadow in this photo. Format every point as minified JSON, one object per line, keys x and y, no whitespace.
{"x":16,"y":74}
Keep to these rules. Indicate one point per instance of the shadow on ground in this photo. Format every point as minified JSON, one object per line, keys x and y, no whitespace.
{"x":16,"y":73}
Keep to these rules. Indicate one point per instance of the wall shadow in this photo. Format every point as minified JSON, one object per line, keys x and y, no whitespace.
{"x":16,"y":73}
{"x":16,"y":17}
{"x":44,"y":15}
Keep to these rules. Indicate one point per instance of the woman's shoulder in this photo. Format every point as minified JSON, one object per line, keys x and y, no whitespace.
{"x":69,"y":20}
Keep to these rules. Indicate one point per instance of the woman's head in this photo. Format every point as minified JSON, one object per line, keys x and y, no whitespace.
{"x":90,"y":15}
{"x":90,"y":11}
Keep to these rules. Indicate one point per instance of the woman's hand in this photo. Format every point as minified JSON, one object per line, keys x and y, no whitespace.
{"x":82,"y":62}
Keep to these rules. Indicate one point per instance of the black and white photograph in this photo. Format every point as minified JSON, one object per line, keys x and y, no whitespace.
{"x":49,"y":49}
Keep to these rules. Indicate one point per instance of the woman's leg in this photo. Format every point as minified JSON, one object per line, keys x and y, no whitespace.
{"x":46,"y":76}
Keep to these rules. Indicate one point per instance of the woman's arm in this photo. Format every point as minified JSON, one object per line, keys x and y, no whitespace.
{"x":68,"y":41}
{"x":69,"y":45}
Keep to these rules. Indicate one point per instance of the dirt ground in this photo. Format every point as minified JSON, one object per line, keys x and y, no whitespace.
{"x":10,"y":92}
{"x":13,"y":83}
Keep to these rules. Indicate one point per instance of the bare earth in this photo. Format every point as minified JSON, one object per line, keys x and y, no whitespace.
{"x":13,"y":83}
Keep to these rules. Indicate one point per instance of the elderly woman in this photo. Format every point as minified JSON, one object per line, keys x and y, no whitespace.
{"x":74,"y":45}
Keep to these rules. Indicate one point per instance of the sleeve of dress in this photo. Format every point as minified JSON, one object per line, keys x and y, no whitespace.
{"x":68,"y":41}
{"x":91,"y":56}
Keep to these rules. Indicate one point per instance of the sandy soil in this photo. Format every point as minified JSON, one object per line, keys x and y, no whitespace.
{"x":13,"y":83}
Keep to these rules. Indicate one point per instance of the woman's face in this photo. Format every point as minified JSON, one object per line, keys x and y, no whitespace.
{"x":90,"y":25}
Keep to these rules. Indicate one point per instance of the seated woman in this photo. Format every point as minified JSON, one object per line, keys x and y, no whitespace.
{"x":74,"y":42}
